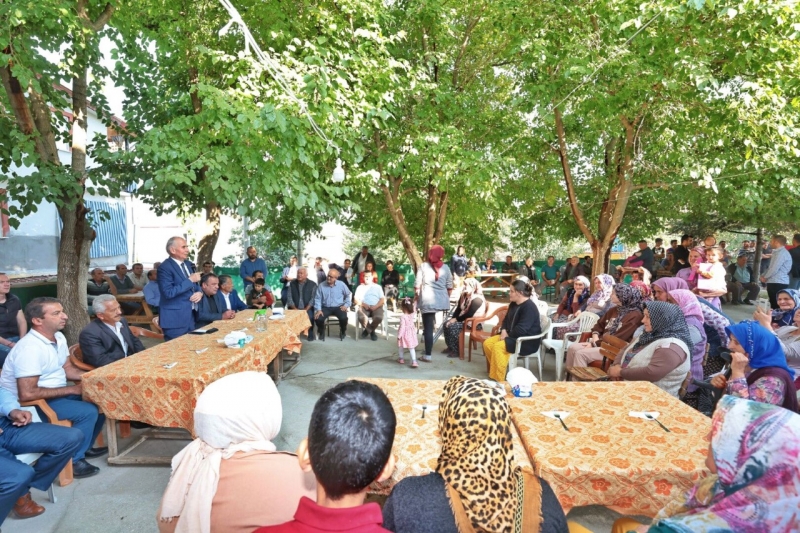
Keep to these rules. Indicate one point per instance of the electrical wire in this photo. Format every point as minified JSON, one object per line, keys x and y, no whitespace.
{"x":290,"y":377}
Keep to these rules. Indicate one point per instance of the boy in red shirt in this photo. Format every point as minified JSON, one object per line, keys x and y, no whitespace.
{"x":349,"y":446}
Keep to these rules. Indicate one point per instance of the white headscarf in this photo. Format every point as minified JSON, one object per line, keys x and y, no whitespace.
{"x":238,"y":413}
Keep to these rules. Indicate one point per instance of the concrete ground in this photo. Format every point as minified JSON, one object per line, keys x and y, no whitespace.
{"x":126,"y":498}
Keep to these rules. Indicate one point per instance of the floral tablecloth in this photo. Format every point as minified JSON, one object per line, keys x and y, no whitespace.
{"x":140,"y":388}
{"x":417,"y":441}
{"x":607,"y":457}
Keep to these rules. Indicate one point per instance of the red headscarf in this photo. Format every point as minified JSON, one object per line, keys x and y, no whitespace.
{"x":435,"y":255}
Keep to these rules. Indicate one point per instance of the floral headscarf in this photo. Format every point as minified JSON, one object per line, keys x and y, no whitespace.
{"x":716,"y":319}
{"x":762,"y":346}
{"x":688,"y":303}
{"x":630,"y":299}
{"x":756,"y":449}
{"x":786,"y":318}
{"x":600,"y":298}
{"x":643,"y":288}
{"x":667,"y":322}
{"x":472,"y":289}
{"x":584,"y":296}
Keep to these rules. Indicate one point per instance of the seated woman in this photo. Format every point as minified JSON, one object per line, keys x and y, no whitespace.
{"x":754,"y":482}
{"x":390,"y":281}
{"x":574,"y":300}
{"x":789,"y":337}
{"x":522,"y":320}
{"x":230,"y":478}
{"x":470,"y":303}
{"x":620,"y":321}
{"x":661,"y":354}
{"x":644,"y":288}
{"x":758,"y":368}
{"x":598,"y":303}
{"x":689,"y":274}
{"x":475,"y":486}
{"x":693,"y":314}
{"x":788,"y":302}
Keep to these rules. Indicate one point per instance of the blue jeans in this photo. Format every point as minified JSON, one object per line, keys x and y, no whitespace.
{"x":55,"y":442}
{"x":5,"y":349}
{"x":83,"y":415}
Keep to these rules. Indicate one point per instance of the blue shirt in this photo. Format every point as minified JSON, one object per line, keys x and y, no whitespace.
{"x":779,"y":266}
{"x":248,"y":267}
{"x":152,"y":295}
{"x":337,"y":296}
{"x":8,"y":402}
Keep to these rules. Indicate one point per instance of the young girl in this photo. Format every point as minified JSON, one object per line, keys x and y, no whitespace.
{"x":407,"y":332}
{"x":714,"y":271}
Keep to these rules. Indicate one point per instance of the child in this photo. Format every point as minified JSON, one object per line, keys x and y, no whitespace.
{"x":260,"y":297}
{"x":711,"y":276}
{"x":349,"y":446}
{"x":407,"y":332}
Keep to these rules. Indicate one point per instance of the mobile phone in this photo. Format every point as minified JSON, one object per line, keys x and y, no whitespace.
{"x":763,"y":304}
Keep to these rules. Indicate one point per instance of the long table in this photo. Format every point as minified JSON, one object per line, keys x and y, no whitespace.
{"x":160,"y":385}
{"x":630,"y":465}
{"x":417,"y":443}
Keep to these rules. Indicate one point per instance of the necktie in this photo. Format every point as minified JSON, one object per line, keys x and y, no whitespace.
{"x":185,"y":270}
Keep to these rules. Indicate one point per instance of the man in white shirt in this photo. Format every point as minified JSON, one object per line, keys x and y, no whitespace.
{"x":289,"y":274}
{"x":38,"y":368}
{"x":138,"y":276}
{"x":369,"y":300}
{"x":230,"y":296}
{"x":108,"y":337}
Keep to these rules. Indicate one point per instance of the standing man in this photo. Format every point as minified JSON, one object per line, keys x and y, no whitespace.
{"x":658,"y":250}
{"x":108,"y":337}
{"x":360,"y":262}
{"x":749,"y":252}
{"x":319,"y":271}
{"x":289,"y":274}
{"x":333,"y":298}
{"x":794,"y":253}
{"x":777,"y":275}
{"x":549,"y":275}
{"x":249,"y":266}
{"x":180,"y":291}
{"x":208,"y":267}
{"x":369,"y":300}
{"x":12,"y":320}
{"x":38,"y":368}
{"x":681,"y":254}
{"x":301,"y":294}
{"x":152,"y":295}
{"x":211,"y":306}
{"x":766,"y":255}
{"x":646,"y":255}
{"x":229,"y":296}
{"x":138,"y":276}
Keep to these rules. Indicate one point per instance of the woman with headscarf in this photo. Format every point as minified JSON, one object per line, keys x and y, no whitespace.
{"x":788,"y":302}
{"x":471,"y":303}
{"x":433,"y":285}
{"x":231,"y":478}
{"x":661,"y":354}
{"x":789,"y":337}
{"x":754,"y":485}
{"x":644,"y":288}
{"x":693,"y":314}
{"x":689,"y":274}
{"x":714,"y":320}
{"x":598,"y":302}
{"x":621,"y":321}
{"x":758,"y":368}
{"x":476,"y":487}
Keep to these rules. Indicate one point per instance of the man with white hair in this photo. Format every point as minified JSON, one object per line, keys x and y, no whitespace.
{"x":180,"y":290}
{"x":108,"y":337}
{"x":369,"y":300}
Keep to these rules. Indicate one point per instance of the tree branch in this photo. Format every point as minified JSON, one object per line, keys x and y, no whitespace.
{"x":573,"y":198}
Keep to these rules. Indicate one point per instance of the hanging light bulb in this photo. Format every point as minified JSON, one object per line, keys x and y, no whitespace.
{"x":338,"y":172}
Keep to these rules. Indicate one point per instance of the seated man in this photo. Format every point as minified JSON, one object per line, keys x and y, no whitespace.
{"x":38,"y":368}
{"x":529,"y":271}
{"x":19,"y":436}
{"x":742,"y":279}
{"x":369,"y":300}
{"x":124,"y":285}
{"x":260,"y":297}
{"x":137,"y":276}
{"x":230,"y":296}
{"x":549,"y":275}
{"x":12,"y":320}
{"x":211,"y":306}
{"x":572,"y":269}
{"x":301,"y":294}
{"x":489,"y":266}
{"x":332,"y":298}
{"x":349,"y":446}
{"x":508,"y":267}
{"x":107,"y":338}
{"x":152,"y":294}
{"x":98,"y":284}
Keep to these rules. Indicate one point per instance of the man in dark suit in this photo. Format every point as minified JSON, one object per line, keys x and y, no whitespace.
{"x":211,"y":306}
{"x":359,"y":264}
{"x":180,"y":292}
{"x":229,"y":296}
{"x":107,"y":338}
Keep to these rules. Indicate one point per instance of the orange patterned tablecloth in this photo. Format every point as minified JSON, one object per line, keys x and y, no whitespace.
{"x":140,"y":388}
{"x":608,"y":458}
{"x":417,"y":441}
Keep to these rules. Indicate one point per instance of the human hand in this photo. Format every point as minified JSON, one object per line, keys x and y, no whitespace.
{"x":719,"y":382}
{"x":503,"y":334}
{"x":763,"y":279}
{"x":318,"y":314}
{"x":196,"y":297}
{"x":614,"y":371}
{"x":762,"y":317}
{"x":229,"y":314}
{"x":19,"y":417}
{"x":77,"y":389}
{"x":343,"y":308}
{"x":738,"y":364}
{"x":195,"y":278}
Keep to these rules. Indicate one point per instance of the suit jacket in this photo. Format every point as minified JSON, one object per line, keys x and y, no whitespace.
{"x":176,"y":289}
{"x":101,"y":346}
{"x":236,"y":303}
{"x":206,"y":314}
{"x":370,"y":259}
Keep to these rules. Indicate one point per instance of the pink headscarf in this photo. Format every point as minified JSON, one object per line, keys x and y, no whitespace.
{"x":688,"y":303}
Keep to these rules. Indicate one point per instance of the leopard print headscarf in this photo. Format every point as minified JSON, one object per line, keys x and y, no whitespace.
{"x":477,"y":457}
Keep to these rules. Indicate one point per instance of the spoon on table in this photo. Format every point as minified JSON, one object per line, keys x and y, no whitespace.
{"x":558,"y":416}
{"x":650,"y":417}
{"x":424,"y":407}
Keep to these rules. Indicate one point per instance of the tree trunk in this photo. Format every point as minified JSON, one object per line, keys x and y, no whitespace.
{"x":430,"y":221}
{"x":757,"y":258}
{"x":391,"y":193}
{"x":205,"y":249}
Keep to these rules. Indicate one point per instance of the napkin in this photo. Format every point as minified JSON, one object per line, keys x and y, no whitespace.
{"x":552,"y":414}
{"x":641,"y":414}
{"x":275,"y":317}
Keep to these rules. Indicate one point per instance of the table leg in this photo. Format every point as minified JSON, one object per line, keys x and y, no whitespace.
{"x":111,"y":437}
{"x":147,"y":311}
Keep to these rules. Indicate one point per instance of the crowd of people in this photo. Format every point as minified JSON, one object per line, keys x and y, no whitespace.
{"x":677,"y":338}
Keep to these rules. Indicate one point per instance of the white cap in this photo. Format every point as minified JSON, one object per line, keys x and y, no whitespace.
{"x":521,"y":381}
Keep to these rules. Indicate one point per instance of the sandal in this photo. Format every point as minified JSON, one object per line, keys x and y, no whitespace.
{"x":401,"y":361}
{"x":414,"y":364}
{"x":425,"y":358}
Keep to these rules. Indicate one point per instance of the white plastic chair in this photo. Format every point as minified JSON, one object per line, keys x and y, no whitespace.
{"x":544,"y":322}
{"x":585,"y":321}
{"x":384,"y":326}
{"x":544,"y":309}
{"x":31,"y":458}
